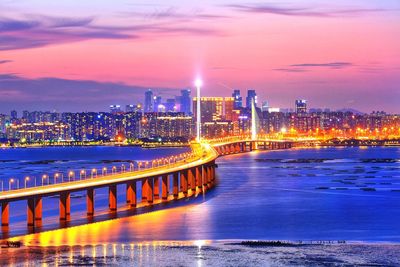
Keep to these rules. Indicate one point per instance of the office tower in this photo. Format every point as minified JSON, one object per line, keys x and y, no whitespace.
{"x":148,"y":101}
{"x":156,"y":103}
{"x":214,"y":108}
{"x":185,"y":101}
{"x":133,"y":108}
{"x":251,"y":96}
{"x":14,"y":115}
{"x":115,"y":109}
{"x":264,"y":106}
{"x":170,"y":105}
{"x":238,"y":103}
{"x":301,"y":106}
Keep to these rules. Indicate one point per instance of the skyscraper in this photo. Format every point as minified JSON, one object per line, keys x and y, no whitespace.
{"x":264,"y":106}
{"x":115,"y":109}
{"x":157,"y":103}
{"x":301,"y":106}
{"x":185,"y":101}
{"x":251,"y":96}
{"x":14,"y":115}
{"x":237,"y":99}
{"x":148,"y":101}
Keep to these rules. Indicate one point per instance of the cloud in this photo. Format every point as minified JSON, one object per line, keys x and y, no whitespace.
{"x":305,"y":67}
{"x":17,"y":92}
{"x":41,"y":31}
{"x":290,"y":70}
{"x":4,"y":61}
{"x":302,"y":11}
{"x":332,"y":65}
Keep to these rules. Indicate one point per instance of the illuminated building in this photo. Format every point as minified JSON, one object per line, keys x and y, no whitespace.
{"x":148,"y":101}
{"x":301,"y":106}
{"x":185,"y":101}
{"x":251,"y":97}
{"x":214,"y":108}
{"x":166,"y":124}
{"x":115,"y":109}
{"x":237,"y":104}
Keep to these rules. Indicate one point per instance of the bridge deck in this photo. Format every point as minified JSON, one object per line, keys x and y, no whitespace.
{"x":102,"y":181}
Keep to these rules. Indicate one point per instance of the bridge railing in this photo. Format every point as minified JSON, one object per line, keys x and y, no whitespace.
{"x":134,"y":167}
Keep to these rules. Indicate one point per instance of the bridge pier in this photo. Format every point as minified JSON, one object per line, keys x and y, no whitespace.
{"x":157,"y":187}
{"x":112,"y":197}
{"x":131,"y":193}
{"x":198,"y":176}
{"x":175,"y":182}
{"x":38,"y":210}
{"x":90,"y":202}
{"x":65,"y":206}
{"x":204,"y":177}
{"x":192,"y":179}
{"x":164,"y":187}
{"x":145,"y":184}
{"x":5,"y":213}
{"x":30,"y":211}
{"x":184,"y":182}
{"x":150,"y":190}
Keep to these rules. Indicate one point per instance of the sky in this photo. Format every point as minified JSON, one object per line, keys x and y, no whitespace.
{"x":86,"y":55}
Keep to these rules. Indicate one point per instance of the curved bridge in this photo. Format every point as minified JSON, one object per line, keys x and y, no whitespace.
{"x":192,"y":175}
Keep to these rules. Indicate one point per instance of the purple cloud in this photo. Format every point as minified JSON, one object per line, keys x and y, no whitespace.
{"x":43,"y":31}
{"x":332,"y":65}
{"x":290,"y":70}
{"x":301,"y":11}
{"x":4,"y":61}
{"x":67,"y":95}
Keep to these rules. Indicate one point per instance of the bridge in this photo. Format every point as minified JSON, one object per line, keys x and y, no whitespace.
{"x":188,"y":175}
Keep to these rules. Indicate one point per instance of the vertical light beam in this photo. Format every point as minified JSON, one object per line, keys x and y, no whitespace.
{"x":253,"y":121}
{"x":198,"y":83}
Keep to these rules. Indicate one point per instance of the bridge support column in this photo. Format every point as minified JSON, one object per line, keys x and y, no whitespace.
{"x":150,"y":190}
{"x":199,"y":182}
{"x":157,"y":187}
{"x":5,"y":213}
{"x":205,"y":177}
{"x":90,"y":202}
{"x":192,"y":178}
{"x":184,"y":182}
{"x":145,"y":185}
{"x":65,"y":206}
{"x":131,"y":193}
{"x":38,"y":210}
{"x":164,"y":187}
{"x":175,"y":182}
{"x":30,"y":211}
{"x":112,"y":197}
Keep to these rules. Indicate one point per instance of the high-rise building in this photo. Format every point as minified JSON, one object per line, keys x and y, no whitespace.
{"x":251,"y":97}
{"x":148,"y":101}
{"x":115,"y":109}
{"x":214,"y":108}
{"x":157,"y":103}
{"x":170,"y":105}
{"x":301,"y":106}
{"x":14,"y":115}
{"x":237,"y":99}
{"x":133,"y":108}
{"x":185,"y":101}
{"x":264,"y":106}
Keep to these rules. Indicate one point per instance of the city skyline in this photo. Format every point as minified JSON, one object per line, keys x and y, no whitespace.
{"x":60,"y":57}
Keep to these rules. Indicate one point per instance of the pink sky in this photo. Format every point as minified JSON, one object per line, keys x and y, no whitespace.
{"x":334,"y":56}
